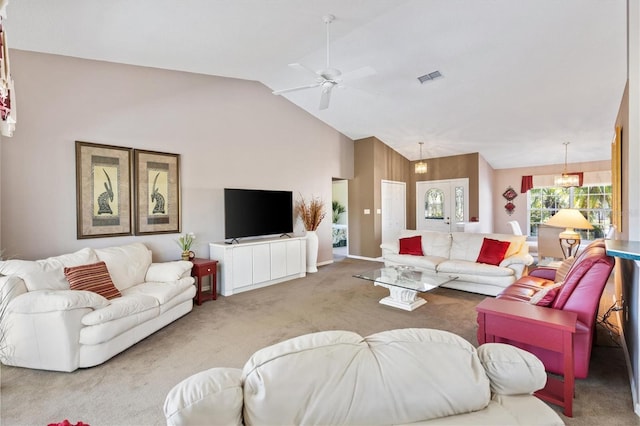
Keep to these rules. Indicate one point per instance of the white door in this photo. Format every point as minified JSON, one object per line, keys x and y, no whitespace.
{"x":393,"y":208}
{"x":442,"y":205}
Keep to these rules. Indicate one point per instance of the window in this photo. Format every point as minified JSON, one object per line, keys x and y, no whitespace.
{"x":434,"y":204}
{"x":593,"y":201}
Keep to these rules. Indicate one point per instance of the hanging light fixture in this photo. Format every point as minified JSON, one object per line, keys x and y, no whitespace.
{"x":421,"y":166}
{"x":566,"y":180}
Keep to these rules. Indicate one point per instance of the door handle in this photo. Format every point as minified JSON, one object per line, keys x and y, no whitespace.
{"x":447,"y":221}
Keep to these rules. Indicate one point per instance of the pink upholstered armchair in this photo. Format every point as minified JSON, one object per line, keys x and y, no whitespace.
{"x":580,"y":293}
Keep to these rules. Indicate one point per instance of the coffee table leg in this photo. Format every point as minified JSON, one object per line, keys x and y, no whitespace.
{"x":401,"y":298}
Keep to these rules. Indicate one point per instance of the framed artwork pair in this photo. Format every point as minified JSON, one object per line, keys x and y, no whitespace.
{"x":121,"y":191}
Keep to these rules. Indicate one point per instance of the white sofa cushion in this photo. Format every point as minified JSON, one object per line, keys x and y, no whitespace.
{"x":472,"y":268}
{"x":41,"y":301}
{"x":466,"y":245}
{"x":47,"y":274}
{"x":161,"y":291}
{"x":426,"y":262}
{"x":127,"y":264}
{"x":294,"y":382}
{"x":119,"y":308}
{"x":108,"y":330}
{"x":433,"y":243}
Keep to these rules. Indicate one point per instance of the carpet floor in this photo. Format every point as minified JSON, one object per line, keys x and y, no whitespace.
{"x":130,"y":388}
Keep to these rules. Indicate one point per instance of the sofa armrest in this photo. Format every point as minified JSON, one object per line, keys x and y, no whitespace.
{"x":511,"y":370}
{"x":41,"y":301}
{"x":390,"y":248}
{"x":517,"y":259}
{"x":11,"y":286}
{"x":211,"y":396}
{"x":165,"y":272}
{"x":546,"y":273}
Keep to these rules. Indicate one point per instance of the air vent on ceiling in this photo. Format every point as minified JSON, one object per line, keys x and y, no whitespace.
{"x":428,"y":77}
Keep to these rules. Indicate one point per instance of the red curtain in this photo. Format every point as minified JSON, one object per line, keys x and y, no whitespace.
{"x":527,"y":184}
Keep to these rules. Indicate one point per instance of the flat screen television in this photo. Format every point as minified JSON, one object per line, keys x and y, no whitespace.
{"x":257,"y":212}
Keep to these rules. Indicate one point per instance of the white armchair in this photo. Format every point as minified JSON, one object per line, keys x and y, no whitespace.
{"x":533,"y":244}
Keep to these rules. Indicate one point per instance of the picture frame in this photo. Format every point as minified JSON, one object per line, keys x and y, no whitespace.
{"x":157,"y":192}
{"x":616,"y":180}
{"x":103,"y":190}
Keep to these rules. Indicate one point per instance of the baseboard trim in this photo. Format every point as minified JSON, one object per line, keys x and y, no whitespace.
{"x":632,"y":382}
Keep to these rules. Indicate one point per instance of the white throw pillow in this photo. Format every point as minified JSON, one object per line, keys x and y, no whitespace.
{"x":563,"y":269}
{"x":543,"y":292}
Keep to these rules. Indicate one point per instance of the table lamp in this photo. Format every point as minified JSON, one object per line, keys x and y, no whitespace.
{"x":569,"y":219}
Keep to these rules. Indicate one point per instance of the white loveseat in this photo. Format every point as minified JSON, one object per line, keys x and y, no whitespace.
{"x":401,"y":376}
{"x":48,"y":326}
{"x":455,"y":253}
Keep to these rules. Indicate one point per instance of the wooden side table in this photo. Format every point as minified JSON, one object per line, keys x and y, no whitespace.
{"x":546,"y":328}
{"x":202,"y":268}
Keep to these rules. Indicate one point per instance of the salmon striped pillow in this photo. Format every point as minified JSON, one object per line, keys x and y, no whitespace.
{"x":94,"y":277}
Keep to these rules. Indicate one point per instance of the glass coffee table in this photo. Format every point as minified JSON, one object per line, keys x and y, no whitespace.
{"x":404,"y":283}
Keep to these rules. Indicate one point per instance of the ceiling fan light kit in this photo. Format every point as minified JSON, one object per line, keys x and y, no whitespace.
{"x":328,"y":77}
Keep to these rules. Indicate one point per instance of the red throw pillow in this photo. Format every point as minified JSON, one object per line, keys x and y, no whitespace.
{"x":94,"y":277}
{"x":492,"y":251}
{"x":411,"y":245}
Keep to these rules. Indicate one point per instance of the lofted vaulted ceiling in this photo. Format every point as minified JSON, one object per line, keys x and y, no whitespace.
{"x":519,"y":78}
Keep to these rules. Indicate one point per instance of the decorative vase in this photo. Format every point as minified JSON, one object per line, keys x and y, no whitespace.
{"x":185,"y":255}
{"x":312,"y":251}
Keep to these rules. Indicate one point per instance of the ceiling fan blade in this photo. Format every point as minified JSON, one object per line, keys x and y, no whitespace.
{"x":325,"y":98}
{"x":359,"y":73}
{"x":294,"y":89}
{"x":303,"y":68}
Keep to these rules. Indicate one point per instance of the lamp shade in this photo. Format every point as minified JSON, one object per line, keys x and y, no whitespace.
{"x":569,"y":219}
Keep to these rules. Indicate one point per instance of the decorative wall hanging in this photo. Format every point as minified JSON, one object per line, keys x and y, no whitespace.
{"x":103,"y":190}
{"x":510,"y":194}
{"x":157,"y":192}
{"x":509,"y":207}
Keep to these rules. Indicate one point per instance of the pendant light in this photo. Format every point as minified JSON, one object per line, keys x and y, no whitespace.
{"x":566,"y":180}
{"x":421,"y":166}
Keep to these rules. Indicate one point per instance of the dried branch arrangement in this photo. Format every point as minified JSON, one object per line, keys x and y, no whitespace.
{"x":311,"y":212}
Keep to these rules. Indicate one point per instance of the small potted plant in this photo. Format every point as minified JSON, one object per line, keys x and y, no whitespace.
{"x":185,"y":242}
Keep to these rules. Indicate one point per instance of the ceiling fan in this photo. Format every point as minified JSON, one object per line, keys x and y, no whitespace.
{"x":327,"y":78}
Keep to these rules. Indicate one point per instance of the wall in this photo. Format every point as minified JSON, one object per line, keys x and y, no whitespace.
{"x":504,"y":178}
{"x":485,"y":195}
{"x":364,"y":193}
{"x":442,"y":168}
{"x":229,"y":133}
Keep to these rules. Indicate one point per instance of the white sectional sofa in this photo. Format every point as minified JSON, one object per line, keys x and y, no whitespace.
{"x":456,"y":253}
{"x":406,"y":376}
{"x":48,"y":326}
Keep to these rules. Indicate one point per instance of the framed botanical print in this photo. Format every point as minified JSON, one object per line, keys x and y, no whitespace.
{"x":103,"y":190}
{"x":157,"y":192}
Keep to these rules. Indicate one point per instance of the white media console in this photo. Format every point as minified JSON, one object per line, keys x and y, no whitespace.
{"x":252,"y":264}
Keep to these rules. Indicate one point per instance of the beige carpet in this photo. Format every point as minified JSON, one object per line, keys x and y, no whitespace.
{"x":130,"y":388}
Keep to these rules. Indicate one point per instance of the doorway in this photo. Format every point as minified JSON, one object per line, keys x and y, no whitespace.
{"x":442,"y":205}
{"x":393,"y":206}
